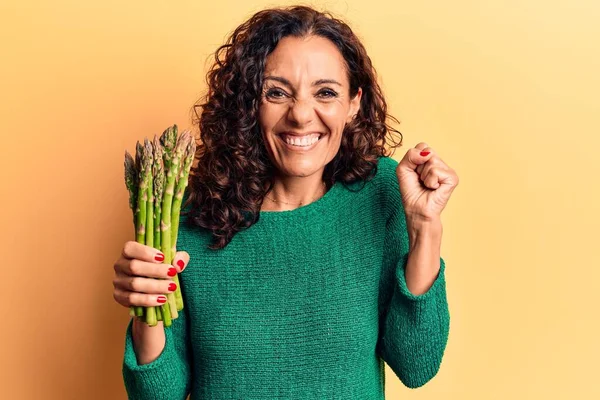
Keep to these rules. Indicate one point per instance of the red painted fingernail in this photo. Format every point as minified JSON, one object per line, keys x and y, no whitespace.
{"x":172,"y":287}
{"x":180,"y":263}
{"x":424,"y":153}
{"x":159,"y":257}
{"x":161,"y":299}
{"x":172,"y":272}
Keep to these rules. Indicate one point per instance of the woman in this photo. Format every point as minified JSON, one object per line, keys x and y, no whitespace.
{"x":310,"y":256}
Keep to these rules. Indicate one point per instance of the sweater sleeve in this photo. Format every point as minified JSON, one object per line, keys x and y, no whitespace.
{"x":413,"y":328}
{"x":169,"y":376}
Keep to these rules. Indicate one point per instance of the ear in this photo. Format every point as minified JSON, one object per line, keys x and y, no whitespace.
{"x":354,"y":105}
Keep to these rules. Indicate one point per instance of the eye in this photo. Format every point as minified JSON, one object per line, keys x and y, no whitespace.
{"x":328,"y":93}
{"x":275,"y":93}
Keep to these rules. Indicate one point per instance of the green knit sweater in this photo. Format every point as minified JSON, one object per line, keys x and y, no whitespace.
{"x":304,"y":304}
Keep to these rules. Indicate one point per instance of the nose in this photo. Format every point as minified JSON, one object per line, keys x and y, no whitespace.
{"x":301,"y":112}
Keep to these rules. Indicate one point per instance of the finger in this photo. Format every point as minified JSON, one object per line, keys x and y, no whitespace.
{"x":446,"y":176}
{"x":423,"y":169}
{"x":419,"y":169}
{"x":432,"y":179}
{"x":128,"y":299}
{"x":135,"y":250}
{"x":181,"y":260}
{"x":425,"y":149}
{"x":145,"y":269}
{"x":144,"y":285}
{"x":422,"y":146}
{"x":413,"y":159}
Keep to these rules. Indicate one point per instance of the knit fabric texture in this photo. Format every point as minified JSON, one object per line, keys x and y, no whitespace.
{"x":304,"y":304}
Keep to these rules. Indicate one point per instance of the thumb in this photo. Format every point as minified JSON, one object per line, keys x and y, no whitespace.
{"x":413,"y":158}
{"x":181,"y":260}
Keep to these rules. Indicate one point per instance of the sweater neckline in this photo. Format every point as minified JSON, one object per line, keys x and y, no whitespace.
{"x":305,"y":210}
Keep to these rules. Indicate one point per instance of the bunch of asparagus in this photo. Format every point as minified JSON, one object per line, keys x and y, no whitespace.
{"x":156,"y":181}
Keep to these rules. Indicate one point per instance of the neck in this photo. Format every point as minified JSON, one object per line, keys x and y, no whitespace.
{"x":295,"y":191}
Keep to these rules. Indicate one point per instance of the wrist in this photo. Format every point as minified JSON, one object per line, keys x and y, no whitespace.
{"x":148,"y":341}
{"x":420,"y":231}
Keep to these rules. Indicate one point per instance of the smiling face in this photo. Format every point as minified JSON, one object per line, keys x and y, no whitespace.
{"x":306,"y":95}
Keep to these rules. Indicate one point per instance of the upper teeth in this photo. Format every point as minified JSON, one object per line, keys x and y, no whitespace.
{"x":306,"y":140}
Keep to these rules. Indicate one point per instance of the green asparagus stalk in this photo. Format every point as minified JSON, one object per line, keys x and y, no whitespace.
{"x":149,"y":152}
{"x":168,"y":140}
{"x":158,"y":172}
{"x":149,"y":227}
{"x":131,"y":182}
{"x":158,"y":186}
{"x":139,"y":152}
{"x":182,"y":183}
{"x":132,"y":177}
{"x":166,"y":314}
{"x":144,"y":176}
{"x":150,"y":315}
{"x":166,"y":244}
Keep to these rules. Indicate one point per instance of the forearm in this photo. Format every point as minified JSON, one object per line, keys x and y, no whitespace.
{"x":148,"y":341}
{"x":423,"y":264}
{"x":415,"y":330}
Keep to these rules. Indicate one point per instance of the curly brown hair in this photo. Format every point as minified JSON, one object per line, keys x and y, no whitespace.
{"x":234,"y":172}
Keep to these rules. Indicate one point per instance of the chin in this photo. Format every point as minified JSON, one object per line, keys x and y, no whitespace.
{"x":301,"y":171}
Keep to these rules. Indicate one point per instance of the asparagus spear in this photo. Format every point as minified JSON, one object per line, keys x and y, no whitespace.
{"x":139,"y":152}
{"x":182,"y":183}
{"x":165,"y":226}
{"x":159,"y":182}
{"x":144,"y":175}
{"x":159,"y":313}
{"x":149,"y":240}
{"x":166,"y":313}
{"x":131,"y":182}
{"x":142,"y":199}
{"x":168,"y":139}
{"x":149,"y":153}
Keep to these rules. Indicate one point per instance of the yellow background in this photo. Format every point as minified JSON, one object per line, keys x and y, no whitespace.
{"x":506,"y":91}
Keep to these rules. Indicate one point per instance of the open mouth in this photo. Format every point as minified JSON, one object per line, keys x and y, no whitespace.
{"x":301,"y":142}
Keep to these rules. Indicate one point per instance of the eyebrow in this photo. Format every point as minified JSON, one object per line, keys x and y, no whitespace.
{"x":315,"y":83}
